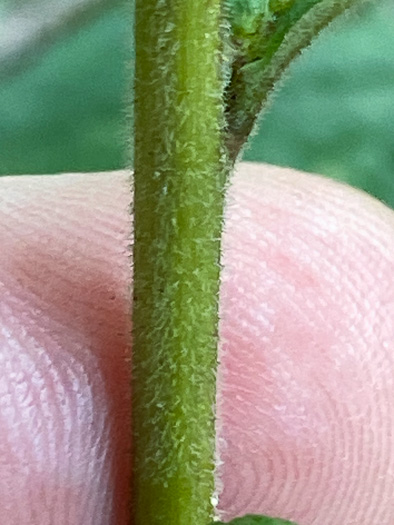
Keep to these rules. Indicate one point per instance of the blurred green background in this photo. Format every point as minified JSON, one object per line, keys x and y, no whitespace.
{"x":63,"y":99}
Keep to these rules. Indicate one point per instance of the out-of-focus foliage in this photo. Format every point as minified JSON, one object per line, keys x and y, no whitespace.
{"x":67,"y":111}
{"x":254,"y":519}
{"x":334,"y":114}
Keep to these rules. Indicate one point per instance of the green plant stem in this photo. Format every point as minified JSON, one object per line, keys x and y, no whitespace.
{"x":181,"y":167}
{"x":270,"y":48}
{"x":180,"y":173}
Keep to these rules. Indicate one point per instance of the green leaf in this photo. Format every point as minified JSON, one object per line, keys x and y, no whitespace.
{"x":254,"y":519}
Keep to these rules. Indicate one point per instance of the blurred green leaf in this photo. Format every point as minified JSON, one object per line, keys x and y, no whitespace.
{"x":68,"y":112}
{"x":254,"y":519}
{"x":335,"y":112}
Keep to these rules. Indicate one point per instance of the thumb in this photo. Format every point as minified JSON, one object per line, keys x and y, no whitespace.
{"x":64,"y":349}
{"x":305,"y":382}
{"x":307,"y":330}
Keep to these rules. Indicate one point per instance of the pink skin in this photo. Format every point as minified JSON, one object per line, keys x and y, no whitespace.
{"x":306,"y":384}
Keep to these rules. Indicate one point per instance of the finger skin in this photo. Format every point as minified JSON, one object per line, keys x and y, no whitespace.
{"x":306,"y":378}
{"x":64,"y":339}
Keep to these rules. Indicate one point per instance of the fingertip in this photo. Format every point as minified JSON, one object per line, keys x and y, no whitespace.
{"x":305,"y":416}
{"x":65,"y":349}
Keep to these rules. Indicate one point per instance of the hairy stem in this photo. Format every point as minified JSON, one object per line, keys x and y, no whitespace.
{"x":264,"y":44}
{"x":186,"y":134}
{"x":179,"y":180}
